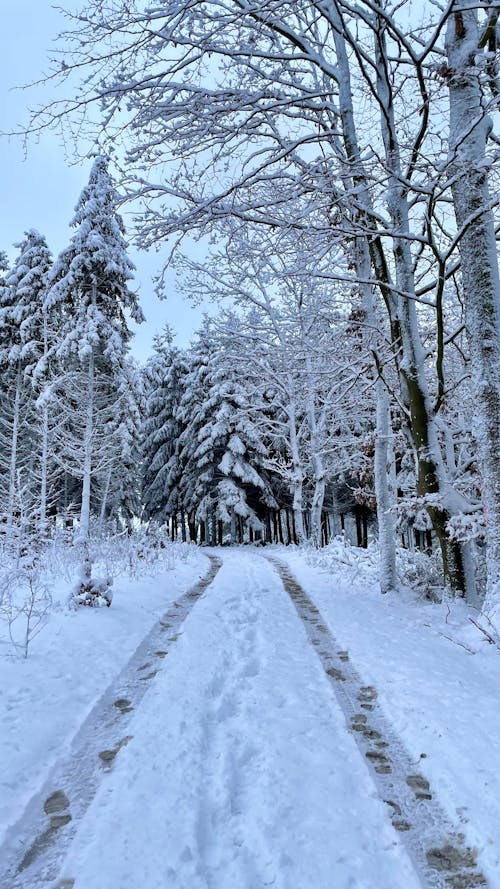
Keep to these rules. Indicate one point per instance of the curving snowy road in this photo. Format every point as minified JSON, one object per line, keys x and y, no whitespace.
{"x":240,"y":769}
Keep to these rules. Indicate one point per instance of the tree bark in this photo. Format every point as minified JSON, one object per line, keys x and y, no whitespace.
{"x":13,"y":450}
{"x":469,"y":129}
{"x":84,"y":529}
{"x":384,"y":493}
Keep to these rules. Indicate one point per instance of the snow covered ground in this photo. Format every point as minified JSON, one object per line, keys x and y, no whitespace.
{"x":45,"y":698}
{"x":438,"y":681}
{"x":239,"y":769}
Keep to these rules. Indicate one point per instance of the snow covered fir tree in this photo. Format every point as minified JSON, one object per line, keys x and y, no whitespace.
{"x":293,"y":510}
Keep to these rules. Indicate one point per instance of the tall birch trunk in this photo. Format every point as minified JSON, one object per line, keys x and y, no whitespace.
{"x":44,"y":457}
{"x":104,"y":503}
{"x":384,"y":492}
{"x":317,"y":500}
{"x":87,"y":459}
{"x":13,"y":450}
{"x":316,"y":461}
{"x":297,"y":476}
{"x":469,"y":128}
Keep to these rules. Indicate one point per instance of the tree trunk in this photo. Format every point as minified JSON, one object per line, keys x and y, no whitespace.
{"x":281,"y":536}
{"x":359,"y":530}
{"x":384,"y":492}
{"x":364,"y":521}
{"x":44,"y":458}
{"x":192,"y":528}
{"x":84,"y":529}
{"x":297,"y":479}
{"x":317,"y":509}
{"x":469,"y":129}
{"x":104,"y":503}
{"x":13,"y":451}
{"x":268,"y":537}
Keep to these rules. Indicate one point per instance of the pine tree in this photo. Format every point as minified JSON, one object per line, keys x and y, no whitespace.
{"x":121,"y":495}
{"x":220,"y":450}
{"x":164,"y":374}
{"x":22,"y":343}
{"x":90,"y":300}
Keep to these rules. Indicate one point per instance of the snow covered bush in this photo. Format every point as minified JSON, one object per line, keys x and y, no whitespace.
{"x":355,"y":565}
{"x":25,"y":601}
{"x":94,"y":592}
{"x":137,"y":554}
{"x":421,"y":572}
{"x":360,"y":567}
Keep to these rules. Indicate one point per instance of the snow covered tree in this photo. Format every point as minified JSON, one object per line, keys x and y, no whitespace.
{"x":90,"y":300}
{"x":209,"y":456}
{"x":230,"y":451}
{"x":470,"y":71}
{"x":23,"y":341}
{"x":119,"y":486}
{"x":161,"y":475}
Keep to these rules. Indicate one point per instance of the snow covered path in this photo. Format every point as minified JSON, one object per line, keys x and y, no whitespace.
{"x":239,"y":770}
{"x":436,"y":846}
{"x":34,"y":847}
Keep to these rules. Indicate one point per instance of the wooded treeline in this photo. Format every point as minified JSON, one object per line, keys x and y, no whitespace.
{"x":339,"y":164}
{"x":70,"y":411}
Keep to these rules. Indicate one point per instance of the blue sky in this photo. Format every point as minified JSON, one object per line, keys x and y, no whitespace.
{"x":41,"y":190}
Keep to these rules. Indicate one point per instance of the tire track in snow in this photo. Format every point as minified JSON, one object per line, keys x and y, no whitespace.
{"x":35,"y":847}
{"x":435,"y":846}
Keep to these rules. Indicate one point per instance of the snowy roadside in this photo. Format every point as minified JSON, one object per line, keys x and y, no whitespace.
{"x":441,"y":699}
{"x":44,"y":699}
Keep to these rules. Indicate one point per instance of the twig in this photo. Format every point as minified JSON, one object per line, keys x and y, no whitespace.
{"x":485,"y":633}
{"x":456,"y":642}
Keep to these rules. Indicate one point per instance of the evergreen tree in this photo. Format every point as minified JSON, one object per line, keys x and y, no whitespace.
{"x":23,"y":339}
{"x":121,"y":495}
{"x":90,"y":299}
{"x":164,"y":375}
{"x":221,"y":451}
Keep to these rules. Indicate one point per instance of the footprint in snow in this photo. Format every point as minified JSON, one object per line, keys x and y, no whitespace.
{"x":420,"y":786}
{"x":148,"y":676}
{"x":108,"y":756}
{"x":56,"y":806}
{"x":123,"y":705}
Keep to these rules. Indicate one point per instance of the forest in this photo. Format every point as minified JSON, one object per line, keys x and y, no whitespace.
{"x":337,"y":169}
{"x":322,"y":177}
